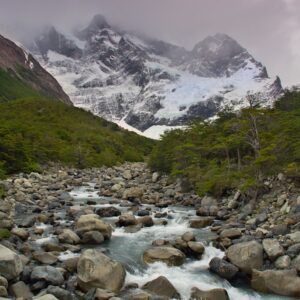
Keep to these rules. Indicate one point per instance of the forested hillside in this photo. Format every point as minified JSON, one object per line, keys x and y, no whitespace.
{"x":34,"y":131}
{"x":238,"y":150}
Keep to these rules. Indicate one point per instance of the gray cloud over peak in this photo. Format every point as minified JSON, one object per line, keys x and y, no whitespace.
{"x":269,"y":29}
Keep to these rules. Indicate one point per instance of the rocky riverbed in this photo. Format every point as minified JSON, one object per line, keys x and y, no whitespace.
{"x":127,"y":233}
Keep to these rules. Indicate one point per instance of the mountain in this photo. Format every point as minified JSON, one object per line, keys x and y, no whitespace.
{"x":22,"y":76}
{"x":150,"y":84}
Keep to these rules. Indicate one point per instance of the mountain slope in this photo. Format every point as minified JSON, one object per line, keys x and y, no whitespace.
{"x":145,"y":82}
{"x":22,"y":76}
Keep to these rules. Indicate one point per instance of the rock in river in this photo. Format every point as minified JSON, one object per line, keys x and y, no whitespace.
{"x":201,"y":222}
{"x":92,"y":222}
{"x":214,"y":294}
{"x":223,"y":268}
{"x":161,"y":286}
{"x":96,"y":270}
{"x":168,"y":255}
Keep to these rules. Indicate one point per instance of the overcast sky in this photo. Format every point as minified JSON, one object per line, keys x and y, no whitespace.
{"x":269,"y":29}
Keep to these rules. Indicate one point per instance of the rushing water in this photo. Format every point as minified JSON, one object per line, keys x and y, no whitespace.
{"x":129,"y":247}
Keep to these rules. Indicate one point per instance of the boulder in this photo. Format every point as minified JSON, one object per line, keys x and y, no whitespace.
{"x":285,"y":283}
{"x":21,"y":290}
{"x":155,"y":177}
{"x":143,"y":213}
{"x":223,"y":268}
{"x":209,"y":201}
{"x":280,"y":229}
{"x":47,"y":273}
{"x":3,"y":292}
{"x":127,"y":175}
{"x":101,"y":294}
{"x":231,"y":233}
{"x":201,"y":222}
{"x":60,"y":293}
{"x":92,"y":237}
{"x":195,"y":248}
{"x":295,"y":236}
{"x":27,"y":221}
{"x":273,"y":248}
{"x":10,"y":263}
{"x":293,"y":250}
{"x":21,"y":233}
{"x":96,"y":270}
{"x":246,"y":256}
{"x":161,"y":286}
{"x":146,"y":221}
{"x":214,"y":294}
{"x":70,"y":264}
{"x":126,"y":220}
{"x":168,"y":255}
{"x":108,"y":212}
{"x":92,"y":222}
{"x":3,"y":281}
{"x":69,"y":237}
{"x":44,"y":257}
{"x":188,"y":236}
{"x":116,"y":187}
{"x":296,"y":263}
{"x":133,"y":193}
{"x":283,"y":262}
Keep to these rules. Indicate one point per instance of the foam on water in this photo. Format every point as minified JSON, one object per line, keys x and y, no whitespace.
{"x":67,"y":255}
{"x":44,"y":240}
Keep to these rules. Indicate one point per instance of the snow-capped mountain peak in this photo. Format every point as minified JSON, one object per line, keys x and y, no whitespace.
{"x":145,"y":82}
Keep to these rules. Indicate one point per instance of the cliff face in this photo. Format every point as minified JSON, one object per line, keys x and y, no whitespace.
{"x":21,"y":65}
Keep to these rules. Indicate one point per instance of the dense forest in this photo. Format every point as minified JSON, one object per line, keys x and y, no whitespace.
{"x":35,"y":131}
{"x":237,"y":150}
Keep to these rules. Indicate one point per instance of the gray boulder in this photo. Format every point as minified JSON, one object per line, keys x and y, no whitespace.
{"x":21,"y":290}
{"x":214,"y":294}
{"x":47,"y":273}
{"x":96,"y":270}
{"x":246,"y":256}
{"x":223,"y":268}
{"x":92,"y":222}
{"x":285,"y":283}
{"x":168,"y":255}
{"x":273,"y":248}
{"x":10,"y":263}
{"x":161,"y":286}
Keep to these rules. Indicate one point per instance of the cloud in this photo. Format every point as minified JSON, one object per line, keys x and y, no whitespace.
{"x":269,"y":29}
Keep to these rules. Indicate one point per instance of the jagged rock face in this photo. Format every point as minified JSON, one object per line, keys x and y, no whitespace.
{"x":22,"y":65}
{"x":146,"y":82}
{"x":221,"y":56}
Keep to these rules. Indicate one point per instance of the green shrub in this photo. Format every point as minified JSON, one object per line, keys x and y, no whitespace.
{"x":4,"y":234}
